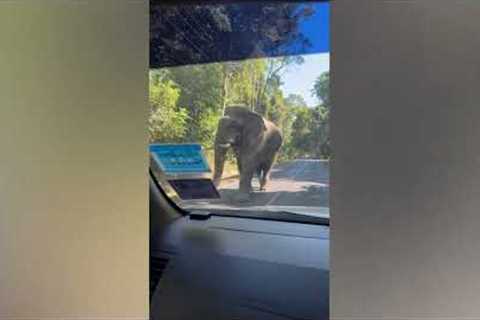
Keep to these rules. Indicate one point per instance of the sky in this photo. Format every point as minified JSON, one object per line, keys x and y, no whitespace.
{"x":300,"y":79}
{"x":316,"y":28}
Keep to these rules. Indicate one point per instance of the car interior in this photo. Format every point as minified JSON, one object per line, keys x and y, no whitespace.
{"x":224,"y":265}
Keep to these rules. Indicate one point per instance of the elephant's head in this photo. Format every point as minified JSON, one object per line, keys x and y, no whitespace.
{"x":239,"y":128}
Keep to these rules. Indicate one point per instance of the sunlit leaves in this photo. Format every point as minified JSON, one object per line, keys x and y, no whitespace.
{"x":167,"y":122}
{"x":187,"y":102}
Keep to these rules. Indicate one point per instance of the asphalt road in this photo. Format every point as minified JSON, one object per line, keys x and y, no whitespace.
{"x":302,"y":182}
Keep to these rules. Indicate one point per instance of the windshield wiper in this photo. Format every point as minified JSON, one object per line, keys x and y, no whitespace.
{"x":285,"y":216}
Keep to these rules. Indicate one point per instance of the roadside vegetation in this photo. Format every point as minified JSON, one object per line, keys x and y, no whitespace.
{"x":187,"y":102}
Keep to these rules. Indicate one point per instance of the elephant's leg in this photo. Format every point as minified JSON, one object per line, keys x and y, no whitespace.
{"x":239,"y":166}
{"x":263,"y":180}
{"x":246,"y":180}
{"x":236,"y":152}
{"x":266,"y":173}
{"x":245,"y":188}
{"x":259,"y":172}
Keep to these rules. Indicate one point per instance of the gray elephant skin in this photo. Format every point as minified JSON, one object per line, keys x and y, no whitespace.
{"x":255,"y":142}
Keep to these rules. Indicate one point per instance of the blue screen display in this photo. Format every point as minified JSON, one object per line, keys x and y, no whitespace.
{"x":180,"y":158}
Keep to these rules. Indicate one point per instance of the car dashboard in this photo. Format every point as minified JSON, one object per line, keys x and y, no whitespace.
{"x":222,"y":267}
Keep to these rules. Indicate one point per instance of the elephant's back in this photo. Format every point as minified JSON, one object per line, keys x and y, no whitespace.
{"x":274,"y":135}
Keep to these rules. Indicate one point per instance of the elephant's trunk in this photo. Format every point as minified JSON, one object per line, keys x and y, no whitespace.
{"x":220,"y":154}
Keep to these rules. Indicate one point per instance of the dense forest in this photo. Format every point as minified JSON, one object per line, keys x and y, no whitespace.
{"x":186,"y":103}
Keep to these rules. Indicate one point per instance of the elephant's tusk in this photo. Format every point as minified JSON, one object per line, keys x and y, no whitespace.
{"x":225,"y":145}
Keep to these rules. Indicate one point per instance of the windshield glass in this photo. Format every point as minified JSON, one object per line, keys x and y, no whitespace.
{"x":262,"y":123}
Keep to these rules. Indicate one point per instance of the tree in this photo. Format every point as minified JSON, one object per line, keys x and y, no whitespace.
{"x":245,"y":82}
{"x":167,"y":122}
{"x":302,"y":135}
{"x":277,"y":109}
{"x":188,"y":101}
{"x":192,"y":34}
{"x":321,"y":89}
{"x":274,"y":71}
{"x":295,"y":101}
{"x":202,"y":96}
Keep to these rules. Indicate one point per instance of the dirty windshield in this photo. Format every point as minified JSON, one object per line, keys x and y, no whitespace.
{"x":262,"y":123}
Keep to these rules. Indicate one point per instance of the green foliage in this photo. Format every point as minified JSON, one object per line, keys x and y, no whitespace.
{"x":167,"y":122}
{"x":277,"y":109}
{"x":321,"y":89}
{"x":310,"y":130}
{"x":207,"y":127}
{"x":201,"y":95}
{"x":245,"y":82}
{"x":187,"y":102}
{"x":302,"y":132}
{"x":295,"y":101}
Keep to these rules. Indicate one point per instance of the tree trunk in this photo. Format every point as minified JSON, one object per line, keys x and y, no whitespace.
{"x":224,"y":89}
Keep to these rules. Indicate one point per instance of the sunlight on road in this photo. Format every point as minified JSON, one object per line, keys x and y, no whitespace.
{"x":303,"y":183}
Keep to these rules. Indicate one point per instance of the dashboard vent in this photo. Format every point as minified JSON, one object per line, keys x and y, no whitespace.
{"x":157,"y":266}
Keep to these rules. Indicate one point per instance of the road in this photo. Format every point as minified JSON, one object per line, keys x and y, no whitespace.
{"x":302,"y":182}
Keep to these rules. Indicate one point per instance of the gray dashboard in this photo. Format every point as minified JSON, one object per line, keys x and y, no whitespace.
{"x":238,"y":268}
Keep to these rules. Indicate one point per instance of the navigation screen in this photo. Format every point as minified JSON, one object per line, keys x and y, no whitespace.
{"x":180,"y":158}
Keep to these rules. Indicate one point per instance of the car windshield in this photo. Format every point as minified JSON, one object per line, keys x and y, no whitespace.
{"x":262,"y":123}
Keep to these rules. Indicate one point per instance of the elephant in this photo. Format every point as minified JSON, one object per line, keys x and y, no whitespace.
{"x":255,"y":142}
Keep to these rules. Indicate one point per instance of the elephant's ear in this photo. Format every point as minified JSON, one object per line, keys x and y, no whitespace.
{"x":252,"y":123}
